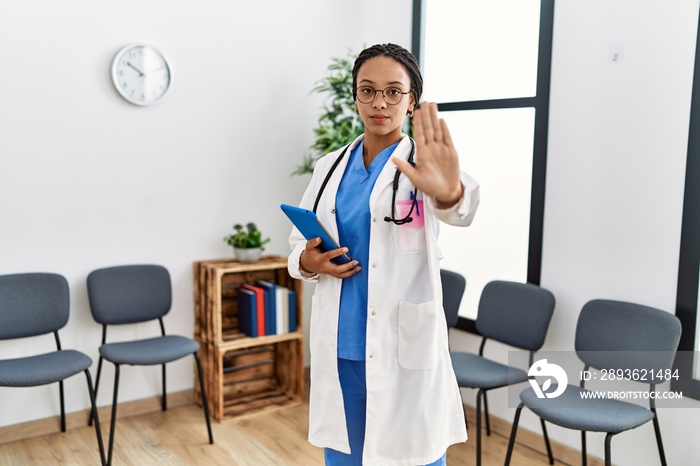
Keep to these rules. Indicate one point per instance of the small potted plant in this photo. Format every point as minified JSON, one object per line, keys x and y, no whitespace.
{"x":248,"y":243}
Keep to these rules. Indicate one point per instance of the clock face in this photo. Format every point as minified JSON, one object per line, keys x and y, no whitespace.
{"x":141,"y":74}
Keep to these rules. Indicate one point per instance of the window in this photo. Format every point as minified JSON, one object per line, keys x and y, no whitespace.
{"x":487,"y":65}
{"x":687,"y":302}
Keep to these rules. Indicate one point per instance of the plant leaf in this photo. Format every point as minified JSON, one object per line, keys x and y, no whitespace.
{"x":338,"y":123}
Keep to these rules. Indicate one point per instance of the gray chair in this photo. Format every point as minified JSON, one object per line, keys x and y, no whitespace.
{"x":133,"y":294}
{"x":34,"y":304}
{"x":517,"y":314}
{"x":453,"y":286}
{"x":610,"y":335}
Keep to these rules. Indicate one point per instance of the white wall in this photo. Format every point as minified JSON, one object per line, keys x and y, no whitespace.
{"x":617,"y":149}
{"x":88,"y":180}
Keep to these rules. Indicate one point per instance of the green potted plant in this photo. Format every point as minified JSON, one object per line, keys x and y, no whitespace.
{"x":339,"y":124}
{"x":248,"y":243}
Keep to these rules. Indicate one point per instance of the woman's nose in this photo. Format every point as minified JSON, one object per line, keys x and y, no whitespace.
{"x":379,"y":102}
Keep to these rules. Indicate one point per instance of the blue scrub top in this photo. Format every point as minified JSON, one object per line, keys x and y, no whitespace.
{"x":354,"y":219}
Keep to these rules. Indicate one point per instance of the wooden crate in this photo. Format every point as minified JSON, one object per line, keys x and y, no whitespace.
{"x":216,"y":294}
{"x":244,"y":375}
{"x":247,"y":379}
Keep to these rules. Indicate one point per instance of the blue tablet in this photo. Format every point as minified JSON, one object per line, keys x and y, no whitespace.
{"x":309,"y":226}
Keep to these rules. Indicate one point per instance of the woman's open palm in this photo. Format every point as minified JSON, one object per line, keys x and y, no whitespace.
{"x":436,"y":172}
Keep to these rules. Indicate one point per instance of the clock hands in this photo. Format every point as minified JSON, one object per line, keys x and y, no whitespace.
{"x":153,"y":71}
{"x":136,"y":69}
{"x":141,"y":73}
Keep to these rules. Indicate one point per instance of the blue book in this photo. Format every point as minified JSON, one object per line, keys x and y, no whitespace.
{"x":270,"y":306}
{"x":247,"y":312}
{"x":292,"y":311}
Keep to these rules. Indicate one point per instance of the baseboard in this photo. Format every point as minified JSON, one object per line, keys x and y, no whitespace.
{"x":528,"y":439}
{"x":52,"y":424}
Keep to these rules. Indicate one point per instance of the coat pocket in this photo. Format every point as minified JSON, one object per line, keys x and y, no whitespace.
{"x":418,"y":341}
{"x":410,"y":237}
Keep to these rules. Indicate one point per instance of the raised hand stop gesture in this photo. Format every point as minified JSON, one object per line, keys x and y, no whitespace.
{"x":436,"y":172}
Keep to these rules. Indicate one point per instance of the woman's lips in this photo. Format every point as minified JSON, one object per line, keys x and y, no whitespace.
{"x":378,"y":118}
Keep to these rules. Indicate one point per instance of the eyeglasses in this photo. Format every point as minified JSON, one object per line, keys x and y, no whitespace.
{"x":391,"y":95}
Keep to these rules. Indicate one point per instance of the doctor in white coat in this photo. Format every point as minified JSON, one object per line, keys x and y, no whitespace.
{"x":383,"y":391}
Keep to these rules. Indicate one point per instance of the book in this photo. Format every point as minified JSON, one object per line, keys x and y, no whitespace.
{"x":270,"y":306}
{"x":260,"y":305}
{"x":292,"y":313}
{"x":248,"y":312}
{"x":281,"y":312}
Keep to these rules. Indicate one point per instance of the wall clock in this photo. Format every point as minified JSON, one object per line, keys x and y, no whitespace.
{"x":141,"y":74}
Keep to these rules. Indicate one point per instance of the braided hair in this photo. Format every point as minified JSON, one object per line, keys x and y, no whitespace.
{"x":399,"y":54}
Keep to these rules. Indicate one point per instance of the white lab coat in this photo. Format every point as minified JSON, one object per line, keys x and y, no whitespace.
{"x":414,"y":407}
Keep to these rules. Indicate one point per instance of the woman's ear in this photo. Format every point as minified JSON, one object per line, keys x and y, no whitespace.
{"x":411,"y":106}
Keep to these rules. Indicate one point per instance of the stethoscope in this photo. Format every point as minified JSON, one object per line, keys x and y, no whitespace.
{"x":395,"y":187}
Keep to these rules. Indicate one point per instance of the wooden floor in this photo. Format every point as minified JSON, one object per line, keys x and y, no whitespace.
{"x":179,"y":437}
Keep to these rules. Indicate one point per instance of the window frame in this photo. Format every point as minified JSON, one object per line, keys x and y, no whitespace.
{"x":540,"y":102}
{"x":689,"y":254}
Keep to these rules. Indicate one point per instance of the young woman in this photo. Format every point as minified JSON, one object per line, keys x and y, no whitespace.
{"x":383,"y":391}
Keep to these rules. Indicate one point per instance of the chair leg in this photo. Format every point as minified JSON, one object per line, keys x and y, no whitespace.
{"x":94,"y":415}
{"x":546,"y":442}
{"x":608,"y":439}
{"x":466,"y":421}
{"x":659,"y":442}
{"x":164,"y":400}
{"x":486,"y":415}
{"x":584,"y":455}
{"x":63,"y":405}
{"x":205,"y":403}
{"x":113,"y":421}
{"x":513,"y":432}
{"x":97,"y":384}
{"x":479,"y":396}
{"x":97,"y":378}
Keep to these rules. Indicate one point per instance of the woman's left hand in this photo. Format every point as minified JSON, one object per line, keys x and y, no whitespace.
{"x":436,"y":172}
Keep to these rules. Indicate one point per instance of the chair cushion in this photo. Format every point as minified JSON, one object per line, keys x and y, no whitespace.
{"x":572,"y":411}
{"x":517,"y":314}
{"x":150,"y":351}
{"x":42,"y":369}
{"x":473,"y":371}
{"x":129,"y":293}
{"x":33,"y":304}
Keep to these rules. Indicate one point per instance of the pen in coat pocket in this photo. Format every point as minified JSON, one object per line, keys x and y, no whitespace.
{"x":413,"y":198}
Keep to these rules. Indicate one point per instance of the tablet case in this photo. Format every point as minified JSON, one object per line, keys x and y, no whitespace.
{"x":309,"y":226}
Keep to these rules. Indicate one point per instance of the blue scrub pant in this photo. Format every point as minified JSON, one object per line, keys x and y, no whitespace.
{"x":353,"y":382}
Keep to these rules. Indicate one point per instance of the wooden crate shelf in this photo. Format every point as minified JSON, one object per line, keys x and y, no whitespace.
{"x":243,"y":374}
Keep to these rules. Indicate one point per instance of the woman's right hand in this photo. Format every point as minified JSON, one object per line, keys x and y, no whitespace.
{"x":313,"y":260}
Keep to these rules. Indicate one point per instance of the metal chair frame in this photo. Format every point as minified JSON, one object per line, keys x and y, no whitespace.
{"x":117,"y":368}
